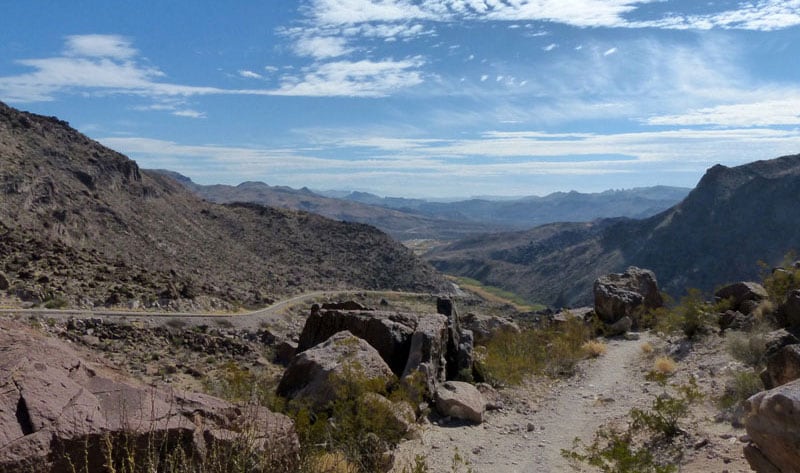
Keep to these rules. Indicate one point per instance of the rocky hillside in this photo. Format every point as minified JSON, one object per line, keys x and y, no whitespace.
{"x":401,"y":225}
{"x":82,"y":225}
{"x":734,"y":218}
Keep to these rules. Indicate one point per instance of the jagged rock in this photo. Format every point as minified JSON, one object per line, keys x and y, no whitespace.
{"x":735,"y":320}
{"x":388,"y":332}
{"x":460,"y":357}
{"x":776,"y":340}
{"x":484,"y":326}
{"x":347,"y":305}
{"x":741,"y":292}
{"x":782,"y":367}
{"x":56,"y":407}
{"x":790,"y":311}
{"x":773,"y":425}
{"x":565,"y":315}
{"x":758,"y":462}
{"x":461,"y":401}
{"x":4,"y":283}
{"x":626,"y":294}
{"x":426,"y":355}
{"x":407,"y":342}
{"x":311,"y":374}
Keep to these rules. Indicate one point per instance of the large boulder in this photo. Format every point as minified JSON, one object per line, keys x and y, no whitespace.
{"x":388,"y":332}
{"x":461,"y":401}
{"x":782,"y":367}
{"x":740,"y":293}
{"x":57,"y":408}
{"x":483,"y":327}
{"x":312,"y":375}
{"x":628,"y":294}
{"x":773,"y":425}
{"x":409,"y":343}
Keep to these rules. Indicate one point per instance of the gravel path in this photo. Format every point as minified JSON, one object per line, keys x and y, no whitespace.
{"x":527,"y":435}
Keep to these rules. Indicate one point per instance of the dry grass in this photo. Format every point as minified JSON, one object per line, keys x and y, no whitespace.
{"x":647,"y":348}
{"x":594,"y":348}
{"x":665,"y":365}
{"x":334,"y":462}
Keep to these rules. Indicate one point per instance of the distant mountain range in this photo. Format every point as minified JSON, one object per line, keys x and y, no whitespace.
{"x":407,"y":219}
{"x":734,"y":218}
{"x":83,"y":225}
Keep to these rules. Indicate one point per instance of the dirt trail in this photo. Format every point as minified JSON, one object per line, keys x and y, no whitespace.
{"x":527,"y":435}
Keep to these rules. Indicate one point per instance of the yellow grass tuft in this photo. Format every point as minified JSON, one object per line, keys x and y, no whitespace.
{"x":594,"y":348}
{"x":665,"y":365}
{"x":332,"y":463}
{"x":647,"y":348}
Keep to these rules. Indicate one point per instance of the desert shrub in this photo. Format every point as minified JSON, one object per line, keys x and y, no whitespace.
{"x":666,"y":411}
{"x":747,"y":347}
{"x":664,"y":365}
{"x":646,"y":444}
{"x":236,"y":383}
{"x":594,"y":348}
{"x":780,"y":282}
{"x":740,"y":387}
{"x":691,"y":316}
{"x":613,"y":451}
{"x":56,"y":302}
{"x":510,"y":356}
{"x":348,"y":428}
{"x":647,"y":348}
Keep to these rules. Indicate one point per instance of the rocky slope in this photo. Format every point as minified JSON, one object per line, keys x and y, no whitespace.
{"x":734,"y":218}
{"x":81,"y":224}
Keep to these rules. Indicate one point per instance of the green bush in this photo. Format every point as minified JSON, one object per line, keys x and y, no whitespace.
{"x":780,"y":282}
{"x":748,"y":347}
{"x":740,"y":387}
{"x":692,"y":316}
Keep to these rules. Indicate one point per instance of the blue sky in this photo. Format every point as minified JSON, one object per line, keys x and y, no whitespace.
{"x":422,"y":98}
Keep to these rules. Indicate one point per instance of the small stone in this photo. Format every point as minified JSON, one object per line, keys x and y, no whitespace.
{"x":531,"y":427}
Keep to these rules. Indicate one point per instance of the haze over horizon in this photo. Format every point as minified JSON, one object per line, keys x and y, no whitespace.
{"x":417,"y":98}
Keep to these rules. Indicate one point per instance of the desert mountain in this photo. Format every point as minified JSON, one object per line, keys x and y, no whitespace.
{"x":407,"y":219}
{"x":82,"y":224}
{"x":733,"y":219}
{"x":399,"y":224}
{"x":528,"y":212}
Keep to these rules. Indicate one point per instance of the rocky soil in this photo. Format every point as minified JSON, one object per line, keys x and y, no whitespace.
{"x":531,"y":424}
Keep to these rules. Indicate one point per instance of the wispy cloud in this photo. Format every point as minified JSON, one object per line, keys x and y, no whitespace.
{"x":360,"y":78}
{"x":107,"y":64}
{"x":249,"y":74}
{"x":322,"y":47}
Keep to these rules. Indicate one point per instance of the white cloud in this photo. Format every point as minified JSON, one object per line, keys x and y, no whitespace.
{"x":107,"y":67}
{"x":550,"y":47}
{"x":609,"y":52}
{"x":355,"y":79}
{"x":189,"y":113}
{"x":249,"y":74}
{"x":99,"y":45}
{"x":484,"y":77}
{"x":783,"y":111}
{"x":322,"y":47}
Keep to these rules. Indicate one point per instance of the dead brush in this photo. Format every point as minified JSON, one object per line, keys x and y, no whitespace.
{"x":594,"y":348}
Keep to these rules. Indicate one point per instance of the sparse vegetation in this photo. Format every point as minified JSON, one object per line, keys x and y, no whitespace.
{"x":664,"y":365}
{"x":747,"y":347}
{"x":740,"y":387}
{"x":781,"y":280}
{"x":692,"y":316}
{"x":495,"y":294}
{"x":594,"y":348}
{"x":554,"y":351}
{"x":646,"y":444}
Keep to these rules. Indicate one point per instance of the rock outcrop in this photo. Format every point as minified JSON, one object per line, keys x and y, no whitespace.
{"x":743,"y":296}
{"x":311,"y":375}
{"x":626,"y":295}
{"x":57,"y":408}
{"x":461,"y":401}
{"x":773,"y":425}
{"x":484,"y":326}
{"x":782,"y":367}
